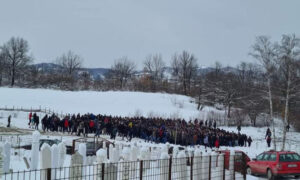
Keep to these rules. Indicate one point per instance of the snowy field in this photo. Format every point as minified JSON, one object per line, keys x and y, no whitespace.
{"x":113,"y":103}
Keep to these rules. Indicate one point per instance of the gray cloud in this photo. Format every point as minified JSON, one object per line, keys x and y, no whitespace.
{"x":104,"y":30}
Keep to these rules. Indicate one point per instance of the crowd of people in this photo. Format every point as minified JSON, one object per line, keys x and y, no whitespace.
{"x":159,"y":130}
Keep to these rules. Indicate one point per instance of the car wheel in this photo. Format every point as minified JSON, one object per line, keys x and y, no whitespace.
{"x":248,"y":170}
{"x":270,"y":175}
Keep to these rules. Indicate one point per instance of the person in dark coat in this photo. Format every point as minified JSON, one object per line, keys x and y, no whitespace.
{"x":8,"y":121}
{"x":269,"y":141}
{"x":249,"y":140}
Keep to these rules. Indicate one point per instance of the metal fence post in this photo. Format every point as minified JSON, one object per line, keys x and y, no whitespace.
{"x":141,"y":170}
{"x":233,"y":167}
{"x":170,"y":168}
{"x":209,"y":169}
{"x":224,"y":170}
{"x":244,"y":167}
{"x":192,"y":162}
{"x":49,"y":174}
{"x":103,"y":167}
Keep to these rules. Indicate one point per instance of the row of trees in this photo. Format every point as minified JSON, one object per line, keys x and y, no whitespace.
{"x":268,"y":85}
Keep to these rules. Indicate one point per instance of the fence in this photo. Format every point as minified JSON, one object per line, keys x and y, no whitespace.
{"x":190,"y":168}
{"x":39,"y":109}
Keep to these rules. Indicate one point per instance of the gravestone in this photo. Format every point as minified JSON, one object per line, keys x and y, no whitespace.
{"x":45,"y":160}
{"x":62,"y":154}
{"x":133,"y":158}
{"x":221,"y":166}
{"x":214,"y":162}
{"x":54,"y":161}
{"x":182,"y":165}
{"x":125,"y":166}
{"x":144,"y":156}
{"x":197,"y":164}
{"x":82,"y":151}
{"x":35,"y":150}
{"x":205,"y":166}
{"x":164,"y":166}
{"x":54,"y":156}
{"x":114,"y":156}
{"x":76,"y":167}
{"x":110,"y":169}
{"x":6,"y":152}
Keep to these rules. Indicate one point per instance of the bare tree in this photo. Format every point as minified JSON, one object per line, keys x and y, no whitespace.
{"x":289,"y":59}
{"x":70,"y":62}
{"x":184,"y":69}
{"x":122,"y":70}
{"x":155,"y":67}
{"x":264,"y":51}
{"x":2,"y":66}
{"x":15,"y":54}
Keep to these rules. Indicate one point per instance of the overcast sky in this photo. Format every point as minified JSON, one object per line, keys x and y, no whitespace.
{"x":104,"y":30}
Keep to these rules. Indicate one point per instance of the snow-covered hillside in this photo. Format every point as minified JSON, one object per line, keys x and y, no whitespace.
{"x":114,"y":103}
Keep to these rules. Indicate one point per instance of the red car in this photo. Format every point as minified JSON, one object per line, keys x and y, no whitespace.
{"x":275,"y":164}
{"x":240,"y":159}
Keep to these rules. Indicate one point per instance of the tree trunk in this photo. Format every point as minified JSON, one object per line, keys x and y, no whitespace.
{"x":229,"y":108}
{"x":285,"y":122}
{"x":13,"y":75}
{"x":271,"y":112}
{"x":0,"y":78}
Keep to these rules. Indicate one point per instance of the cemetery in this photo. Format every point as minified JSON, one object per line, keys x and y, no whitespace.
{"x":114,"y":161}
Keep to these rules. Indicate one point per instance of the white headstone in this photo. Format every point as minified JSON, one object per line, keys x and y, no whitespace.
{"x":76,"y":167}
{"x":115,"y":156}
{"x":110,"y":150}
{"x":35,"y":150}
{"x":205,"y":166}
{"x":45,"y":160}
{"x":62,"y":154}
{"x":101,"y":156}
{"x":6,"y":152}
{"x":133,"y":158}
{"x":197,"y":163}
{"x":55,"y":156}
{"x":221,"y":166}
{"x":125,"y":166}
{"x":164,"y":166}
{"x":144,"y":155}
{"x":214,"y":162}
{"x":82,"y":151}
{"x":54,"y":161}
{"x":182,"y":165}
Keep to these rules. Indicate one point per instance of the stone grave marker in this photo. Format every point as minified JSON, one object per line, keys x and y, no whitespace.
{"x":76,"y":167}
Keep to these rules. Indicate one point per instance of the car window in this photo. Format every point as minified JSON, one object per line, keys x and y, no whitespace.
{"x":266,"y":157}
{"x":260,"y":157}
{"x":272,"y":157}
{"x":289,"y":157}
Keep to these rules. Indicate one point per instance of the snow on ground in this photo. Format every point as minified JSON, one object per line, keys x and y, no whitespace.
{"x":110,"y":102}
{"x":119,"y":104}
